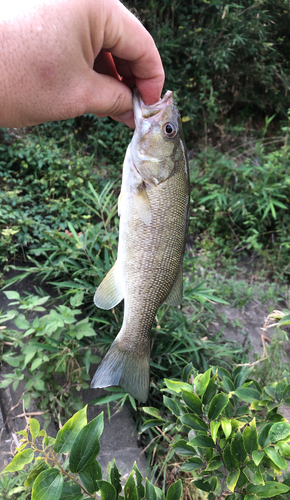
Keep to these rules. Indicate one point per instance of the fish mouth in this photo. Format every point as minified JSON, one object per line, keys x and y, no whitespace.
{"x":142,"y":110}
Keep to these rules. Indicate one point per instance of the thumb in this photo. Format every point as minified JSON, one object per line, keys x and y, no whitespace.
{"x":104,"y":95}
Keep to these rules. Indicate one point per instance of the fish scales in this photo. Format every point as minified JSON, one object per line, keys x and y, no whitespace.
{"x":151,"y":247}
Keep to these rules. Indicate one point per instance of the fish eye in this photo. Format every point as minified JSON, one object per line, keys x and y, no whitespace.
{"x":169,"y":130}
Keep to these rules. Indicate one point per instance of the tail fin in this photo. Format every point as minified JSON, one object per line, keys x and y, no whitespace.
{"x":125,"y":368}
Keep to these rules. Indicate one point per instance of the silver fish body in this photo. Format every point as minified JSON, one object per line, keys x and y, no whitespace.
{"x":153,"y":209}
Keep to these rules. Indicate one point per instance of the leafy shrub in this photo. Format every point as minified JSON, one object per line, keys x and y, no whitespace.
{"x":222,"y":56}
{"x":226,"y":432}
{"x":243,"y":206}
{"x":66,"y":467}
{"x":45,"y":348}
{"x":44,"y":183}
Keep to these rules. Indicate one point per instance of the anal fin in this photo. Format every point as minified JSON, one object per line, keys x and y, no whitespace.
{"x":109,"y":293}
{"x":174,"y":297}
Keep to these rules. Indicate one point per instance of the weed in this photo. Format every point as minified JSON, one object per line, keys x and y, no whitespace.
{"x":44,"y":348}
{"x":225,"y":431}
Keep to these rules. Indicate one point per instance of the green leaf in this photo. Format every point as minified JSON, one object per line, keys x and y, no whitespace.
{"x":192,"y":401}
{"x":181,"y":447}
{"x":284,"y":449}
{"x":139,"y":479}
{"x":250,"y":438}
{"x":151,"y":423}
{"x":77,"y":299}
{"x":71,"y":491}
{"x":48,"y":485}
{"x":263,"y":437}
{"x":253,"y":473}
{"x":150,"y":492}
{"x":237,"y":448}
{"x":19,"y":461}
{"x":203,"y":382}
{"x":218,"y":403}
{"x":130,"y":489}
{"x":210,"y":391}
{"x":12,"y":295}
{"x":152,"y":411}
{"x":286,"y":391}
{"x":113,"y":476}
{"x":86,"y":445}
{"x":91,"y":475}
{"x":34,"y":473}
{"x":214,"y":427}
{"x":34,"y":428}
{"x":228,"y":384}
{"x":269,"y":489}
{"x":107,"y":490}
{"x":279,"y":431}
{"x":174,"y":491}
{"x":276,"y":458}
{"x":214,"y":464}
{"x":202,"y":485}
{"x":202,"y":441}
{"x":177,"y":386}
{"x":248,"y":394}
{"x":229,"y":460}
{"x":232,"y":479}
{"x":172,"y":405}
{"x":226,"y":427}
{"x":194,"y":422}
{"x":241,"y":375}
{"x":258,"y":456}
{"x":67,"y":434}
{"x":191,"y":464}
{"x":21,"y":322}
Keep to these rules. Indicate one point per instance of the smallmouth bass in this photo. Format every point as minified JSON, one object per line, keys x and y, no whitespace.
{"x":153,"y":209}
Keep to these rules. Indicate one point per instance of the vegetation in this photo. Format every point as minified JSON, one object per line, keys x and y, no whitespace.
{"x":228,"y":65}
{"x":226,"y":432}
{"x":66,"y":466}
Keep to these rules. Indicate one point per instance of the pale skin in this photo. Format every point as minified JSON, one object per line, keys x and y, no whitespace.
{"x":63,"y":58}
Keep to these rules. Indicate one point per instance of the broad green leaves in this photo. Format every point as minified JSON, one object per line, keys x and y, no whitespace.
{"x":86,"y":445}
{"x":174,"y":491}
{"x":34,"y":428}
{"x":276,"y":458}
{"x":218,"y":403}
{"x":202,"y":382}
{"x":91,"y":475}
{"x":19,"y":461}
{"x":250,"y":438}
{"x":268,"y":490}
{"x":230,"y":444}
{"x":279,"y":431}
{"x":66,"y":436}
{"x":48,"y":485}
{"x":232,"y":479}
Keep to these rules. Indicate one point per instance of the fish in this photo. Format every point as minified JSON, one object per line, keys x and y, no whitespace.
{"x":153,"y":207}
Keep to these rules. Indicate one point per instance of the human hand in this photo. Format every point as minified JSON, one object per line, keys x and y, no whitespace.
{"x":63,"y":58}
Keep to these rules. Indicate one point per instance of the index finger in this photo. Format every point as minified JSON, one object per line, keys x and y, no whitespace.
{"x":127,"y":39}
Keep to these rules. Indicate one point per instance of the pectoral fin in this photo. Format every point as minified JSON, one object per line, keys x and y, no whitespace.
{"x":109,"y":293}
{"x":143,"y":205}
{"x":174,"y":297}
